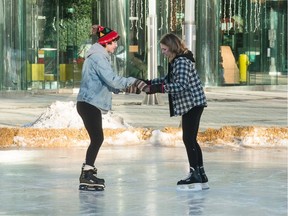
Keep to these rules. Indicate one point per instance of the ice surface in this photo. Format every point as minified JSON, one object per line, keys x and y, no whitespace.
{"x":142,"y":181}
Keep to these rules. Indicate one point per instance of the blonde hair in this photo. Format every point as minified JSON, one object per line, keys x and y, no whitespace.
{"x":174,"y":43}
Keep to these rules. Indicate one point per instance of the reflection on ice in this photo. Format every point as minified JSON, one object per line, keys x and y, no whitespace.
{"x":15,"y":156}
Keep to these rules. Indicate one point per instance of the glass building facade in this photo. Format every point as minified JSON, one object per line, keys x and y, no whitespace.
{"x":238,"y":42}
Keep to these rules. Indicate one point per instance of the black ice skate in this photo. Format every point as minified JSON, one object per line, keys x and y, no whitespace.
{"x":192,"y":182}
{"x":204,"y":178}
{"x":89,"y":181}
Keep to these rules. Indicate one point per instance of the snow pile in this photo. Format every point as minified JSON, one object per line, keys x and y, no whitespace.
{"x":262,"y":137}
{"x":164,"y":138}
{"x":124,"y":138}
{"x":64,"y":115}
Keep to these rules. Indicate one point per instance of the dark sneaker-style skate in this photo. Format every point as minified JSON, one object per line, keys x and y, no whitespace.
{"x":192,"y":182}
{"x":204,"y":178}
{"x":88,"y":179}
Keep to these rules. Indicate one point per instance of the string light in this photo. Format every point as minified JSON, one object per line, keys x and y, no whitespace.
{"x":224,"y":10}
{"x":239,"y":12}
{"x":251,"y":16}
{"x":136,"y":20}
{"x":265,"y":15}
{"x":256,"y":15}
{"x":181,"y":12}
{"x":167,"y":17}
{"x":220,"y":11}
{"x":141,"y":15}
{"x":230,"y":10}
{"x":246,"y":16}
{"x":171,"y":15}
{"x":230,"y":15}
{"x":160,"y":15}
{"x":132,"y":13}
{"x":234,"y":13}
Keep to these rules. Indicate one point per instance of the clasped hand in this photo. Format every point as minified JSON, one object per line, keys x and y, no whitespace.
{"x":145,"y":86}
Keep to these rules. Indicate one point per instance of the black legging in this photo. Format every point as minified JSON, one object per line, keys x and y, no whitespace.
{"x":190,"y":126}
{"x":92,"y":119}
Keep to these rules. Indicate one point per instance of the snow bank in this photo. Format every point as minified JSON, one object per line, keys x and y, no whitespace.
{"x":64,"y":115}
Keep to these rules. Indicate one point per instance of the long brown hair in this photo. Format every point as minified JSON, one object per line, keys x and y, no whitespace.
{"x":174,"y":43}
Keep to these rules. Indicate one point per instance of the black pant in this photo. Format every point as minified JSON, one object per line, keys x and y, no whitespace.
{"x":92,"y":119}
{"x":190,"y":126}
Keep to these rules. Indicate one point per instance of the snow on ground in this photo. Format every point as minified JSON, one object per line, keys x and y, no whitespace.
{"x":63,"y":115}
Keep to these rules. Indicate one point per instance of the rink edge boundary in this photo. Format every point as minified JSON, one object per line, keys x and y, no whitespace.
{"x":70,"y":137}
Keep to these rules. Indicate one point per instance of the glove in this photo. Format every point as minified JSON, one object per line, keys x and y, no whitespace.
{"x":132,"y":89}
{"x":157,"y":88}
{"x":141,"y":85}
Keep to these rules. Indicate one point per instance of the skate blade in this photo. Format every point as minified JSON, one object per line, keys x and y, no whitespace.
{"x":189,"y":187}
{"x":91,"y":188}
{"x":205,"y":186}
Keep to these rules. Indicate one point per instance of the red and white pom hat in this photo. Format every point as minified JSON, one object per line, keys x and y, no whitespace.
{"x":105,"y":35}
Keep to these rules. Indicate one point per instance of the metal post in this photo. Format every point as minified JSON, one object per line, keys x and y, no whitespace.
{"x":189,"y":26}
{"x":152,"y":50}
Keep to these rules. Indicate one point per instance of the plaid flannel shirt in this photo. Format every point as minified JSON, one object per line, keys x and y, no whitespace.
{"x":183,"y":85}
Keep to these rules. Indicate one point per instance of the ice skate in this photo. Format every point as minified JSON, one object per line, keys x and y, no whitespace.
{"x":192,"y":182}
{"x":89,"y":181}
{"x":204,"y":179}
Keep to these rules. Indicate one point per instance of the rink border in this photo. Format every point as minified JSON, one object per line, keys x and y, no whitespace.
{"x":249,"y":136}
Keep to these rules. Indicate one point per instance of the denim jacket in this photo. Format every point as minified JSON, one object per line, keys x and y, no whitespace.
{"x":99,"y":80}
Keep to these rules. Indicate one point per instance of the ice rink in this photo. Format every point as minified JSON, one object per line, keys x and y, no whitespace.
{"x":141,"y":180}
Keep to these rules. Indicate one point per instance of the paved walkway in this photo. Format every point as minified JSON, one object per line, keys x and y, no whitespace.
{"x":227,"y":106}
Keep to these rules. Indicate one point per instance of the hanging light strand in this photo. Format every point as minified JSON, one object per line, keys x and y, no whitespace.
{"x":181,"y":12}
{"x":132,"y":12}
{"x":220,"y":10}
{"x":167,"y":15}
{"x":171,"y":15}
{"x":230,"y":10}
{"x":137,"y":13}
{"x":246,"y":16}
{"x":258,"y":14}
{"x":239,"y":13}
{"x":161,"y":15}
{"x":255,"y":15}
{"x":224,"y":10}
{"x":230,"y":15}
{"x":137,"y":19}
{"x":234,"y":14}
{"x":265,"y":15}
{"x":224,"y":14}
{"x":141,"y":15}
{"x":251,"y":17}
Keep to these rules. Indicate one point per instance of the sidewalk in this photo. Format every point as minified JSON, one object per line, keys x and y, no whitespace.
{"x":227,"y":106}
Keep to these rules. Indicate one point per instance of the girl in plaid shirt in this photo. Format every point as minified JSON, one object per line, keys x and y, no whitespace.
{"x":186,"y":98}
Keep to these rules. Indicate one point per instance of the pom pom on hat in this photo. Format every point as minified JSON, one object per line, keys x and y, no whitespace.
{"x":105,"y":35}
